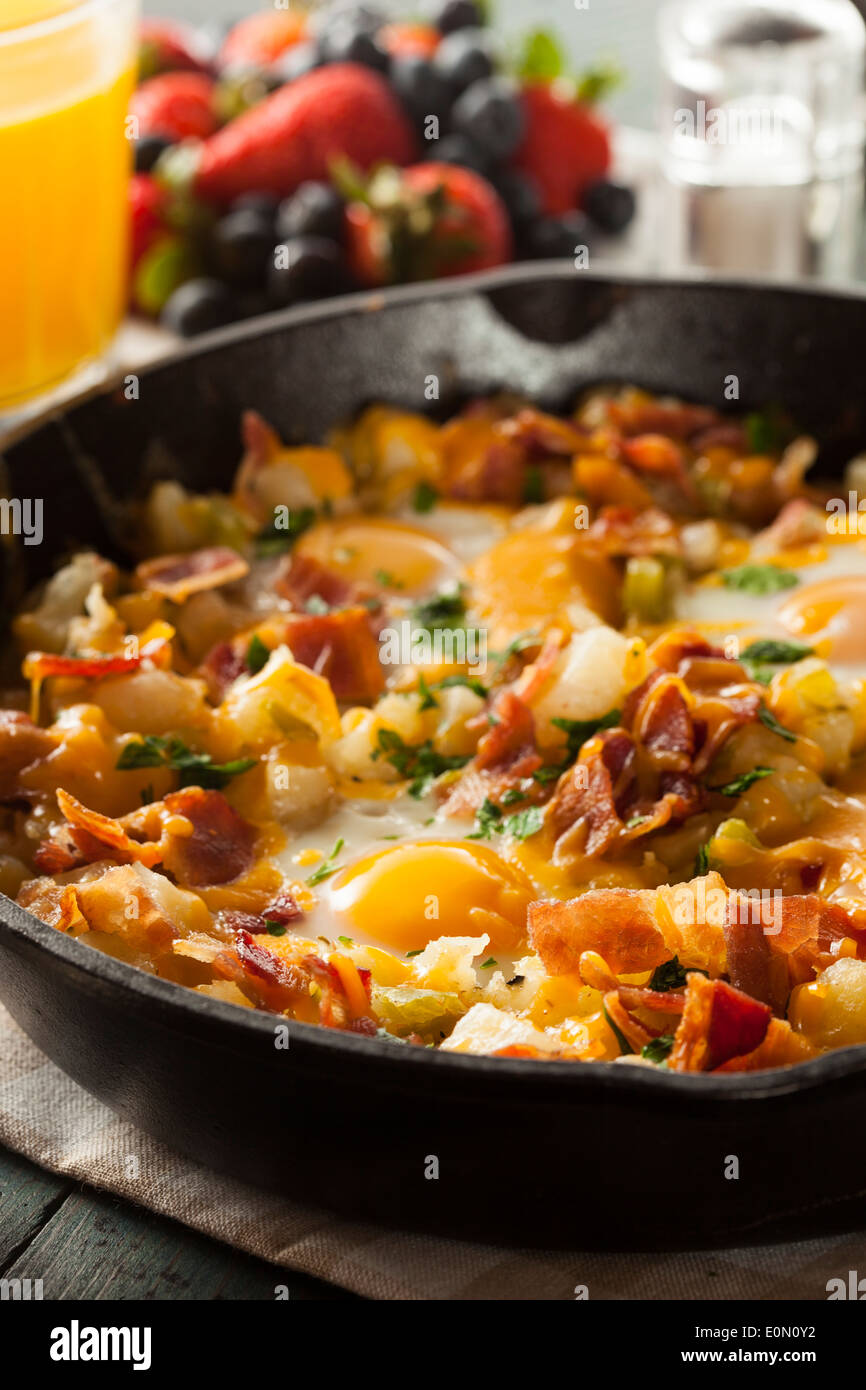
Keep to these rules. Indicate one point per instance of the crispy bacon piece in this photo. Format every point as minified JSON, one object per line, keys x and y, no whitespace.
{"x":718,"y":1024}
{"x":283,"y":910}
{"x":40,"y":665}
{"x":725,"y":435}
{"x":177,"y":577}
{"x":773,"y":946}
{"x":221,"y":846}
{"x":506,"y":756}
{"x":21,"y":743}
{"x":799,"y":523}
{"x":308,"y":987}
{"x":272,"y":983}
{"x":621,"y":531}
{"x":499,"y":471}
{"x":302,"y":577}
{"x":781,"y":1047}
{"x":194,"y":834}
{"x":590,"y":793}
{"x":341,"y":647}
{"x":657,"y":715}
{"x":222,"y":666}
{"x":655,"y":417}
{"x":617,"y":923}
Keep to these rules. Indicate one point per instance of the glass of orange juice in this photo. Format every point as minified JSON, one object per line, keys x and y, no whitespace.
{"x":67,"y":69}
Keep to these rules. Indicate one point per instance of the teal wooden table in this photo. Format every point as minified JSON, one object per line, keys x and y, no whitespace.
{"x":86,"y":1244}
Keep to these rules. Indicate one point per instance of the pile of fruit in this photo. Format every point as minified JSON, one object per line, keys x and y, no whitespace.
{"x":318,"y":151}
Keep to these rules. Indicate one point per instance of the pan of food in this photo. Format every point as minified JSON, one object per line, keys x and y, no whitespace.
{"x":432,"y":740}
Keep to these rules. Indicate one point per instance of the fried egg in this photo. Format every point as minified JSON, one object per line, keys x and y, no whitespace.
{"x":822,"y":604}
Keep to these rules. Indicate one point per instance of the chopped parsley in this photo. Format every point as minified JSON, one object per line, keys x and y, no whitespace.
{"x":195,"y":769}
{"x":275,"y":928}
{"x":702,"y":861}
{"x":489,"y":821}
{"x":769,"y":720}
{"x":410,"y":954}
{"x":742,"y":784}
{"x":759,"y":579}
{"x":766,"y":431}
{"x":635,"y":822}
{"x":327,"y":867}
{"x":470,"y":682}
{"x":424,"y":498}
{"x":419,"y":764}
{"x":445,"y":609}
{"x":388,"y":580}
{"x":277,"y":539}
{"x":763,"y":656}
{"x":625,"y":1046}
{"x":659,"y":1049}
{"x":578,"y":731}
{"x":667,"y":976}
{"x":488,"y":963}
{"x":776,"y":653}
{"x":428,"y":699}
{"x":257,"y":654}
{"x":533,"y":485}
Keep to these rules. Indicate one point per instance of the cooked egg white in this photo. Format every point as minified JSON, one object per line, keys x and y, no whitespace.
{"x":825,"y":609}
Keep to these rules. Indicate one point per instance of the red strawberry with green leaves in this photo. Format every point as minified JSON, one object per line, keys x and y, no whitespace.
{"x":566,"y":146}
{"x":175,"y":105}
{"x":160,"y":259}
{"x":420,"y":223}
{"x":165,"y":46}
{"x":259,"y":39}
{"x":293,"y":136}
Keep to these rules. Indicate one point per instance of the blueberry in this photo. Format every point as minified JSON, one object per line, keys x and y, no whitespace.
{"x":370,"y":18}
{"x":240,"y":246}
{"x":459,"y":149}
{"x":297,"y":61}
{"x":198,"y":306}
{"x":464,"y":57}
{"x":265,"y":204}
{"x":422,"y":90}
{"x":551,"y":237}
{"x":314,"y":209}
{"x":521,"y":197}
{"x":305,"y":267}
{"x":458,"y":14}
{"x":611,"y":206}
{"x":490,"y":112}
{"x":344,"y":43}
{"x":147,"y":151}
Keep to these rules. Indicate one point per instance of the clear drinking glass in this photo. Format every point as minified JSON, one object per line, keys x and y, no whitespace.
{"x":66,"y":73}
{"x":762,"y":135}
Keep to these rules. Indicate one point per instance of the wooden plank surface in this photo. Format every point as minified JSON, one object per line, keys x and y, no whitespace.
{"x":85,"y":1244}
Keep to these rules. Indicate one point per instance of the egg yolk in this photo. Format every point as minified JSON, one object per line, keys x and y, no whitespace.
{"x":409,"y":894}
{"x":387,"y":553}
{"x":833,"y":611}
{"x":526,"y":579}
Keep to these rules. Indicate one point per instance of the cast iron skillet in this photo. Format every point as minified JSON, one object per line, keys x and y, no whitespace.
{"x":528,"y":1152}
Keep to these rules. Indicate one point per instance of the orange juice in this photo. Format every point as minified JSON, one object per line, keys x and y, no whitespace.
{"x":65,"y":80}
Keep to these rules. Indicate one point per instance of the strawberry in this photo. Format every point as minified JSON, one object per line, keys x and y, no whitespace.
{"x":175,"y":105}
{"x":168,"y":47}
{"x":259,"y":39}
{"x":423,"y":222}
{"x":293,"y":135}
{"x":147,"y":204}
{"x":566,"y":146}
{"x":409,"y":40}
